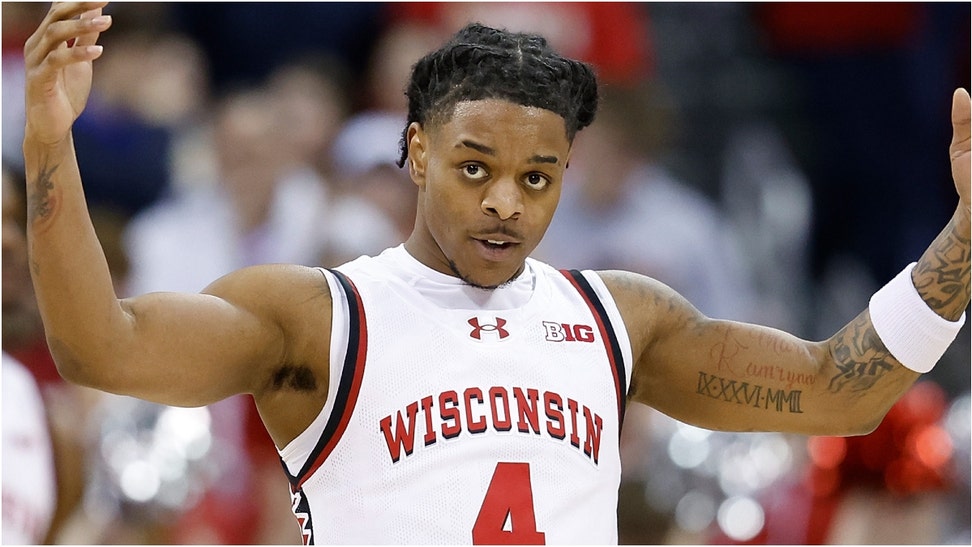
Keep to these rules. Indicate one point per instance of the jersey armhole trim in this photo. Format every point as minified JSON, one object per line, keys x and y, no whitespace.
{"x":346,"y":395}
{"x":611,"y":344}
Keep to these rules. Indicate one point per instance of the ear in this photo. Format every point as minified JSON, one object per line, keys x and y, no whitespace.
{"x":418,"y":143}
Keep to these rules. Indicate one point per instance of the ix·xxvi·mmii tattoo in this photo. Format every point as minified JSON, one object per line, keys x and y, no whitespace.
{"x":730,"y":358}
{"x":744,"y":393}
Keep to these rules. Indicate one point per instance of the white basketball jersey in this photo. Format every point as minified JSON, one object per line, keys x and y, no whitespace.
{"x":465,"y":416}
{"x":29,"y":482}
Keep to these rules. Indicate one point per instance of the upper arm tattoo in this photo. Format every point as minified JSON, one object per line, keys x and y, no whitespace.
{"x":738,"y":372}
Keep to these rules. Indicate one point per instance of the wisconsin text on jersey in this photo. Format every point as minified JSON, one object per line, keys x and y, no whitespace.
{"x":477,"y":410}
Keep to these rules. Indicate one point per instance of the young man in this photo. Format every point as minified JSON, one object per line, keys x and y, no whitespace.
{"x":453,"y":390}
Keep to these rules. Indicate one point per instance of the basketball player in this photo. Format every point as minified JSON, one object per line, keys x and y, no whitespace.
{"x":451,"y":389}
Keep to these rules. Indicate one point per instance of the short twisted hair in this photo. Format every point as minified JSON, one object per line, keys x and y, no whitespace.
{"x":480,"y":62}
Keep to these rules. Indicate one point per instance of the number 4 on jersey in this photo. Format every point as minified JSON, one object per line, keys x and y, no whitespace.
{"x":506,"y":516}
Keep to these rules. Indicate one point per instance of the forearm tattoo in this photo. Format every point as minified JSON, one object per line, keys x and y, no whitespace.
{"x":942,"y":274}
{"x":859,"y":356}
{"x":40,"y":196}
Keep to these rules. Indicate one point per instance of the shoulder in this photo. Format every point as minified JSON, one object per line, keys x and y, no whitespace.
{"x":637,"y":289}
{"x":286,"y":294}
{"x":290,"y":300}
{"x":294,"y":303}
{"x":393,"y":263}
{"x":649,"y":307}
{"x":268,"y":280}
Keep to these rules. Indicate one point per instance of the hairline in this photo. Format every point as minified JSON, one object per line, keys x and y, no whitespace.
{"x":441,"y":115}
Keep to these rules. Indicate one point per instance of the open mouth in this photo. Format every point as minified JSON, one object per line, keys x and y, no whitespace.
{"x":496,"y":249}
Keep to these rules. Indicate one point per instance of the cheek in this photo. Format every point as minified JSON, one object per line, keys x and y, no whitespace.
{"x":444,"y":207}
{"x":547,"y":206}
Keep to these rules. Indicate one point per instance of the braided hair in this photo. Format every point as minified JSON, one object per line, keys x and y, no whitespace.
{"x":480,"y":62}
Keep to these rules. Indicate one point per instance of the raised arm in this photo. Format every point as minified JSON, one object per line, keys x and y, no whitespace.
{"x":732,"y":376}
{"x":240,"y":335}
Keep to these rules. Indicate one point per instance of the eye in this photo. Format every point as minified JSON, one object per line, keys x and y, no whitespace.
{"x":536,"y":181}
{"x":474,"y":171}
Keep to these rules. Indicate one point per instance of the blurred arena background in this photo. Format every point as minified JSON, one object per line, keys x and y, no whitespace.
{"x":774,"y":162}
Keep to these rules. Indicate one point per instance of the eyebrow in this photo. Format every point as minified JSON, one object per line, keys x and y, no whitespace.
{"x":544,"y":159}
{"x":483,"y":149}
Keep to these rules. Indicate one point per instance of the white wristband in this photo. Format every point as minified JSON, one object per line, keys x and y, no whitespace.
{"x":914,"y":334}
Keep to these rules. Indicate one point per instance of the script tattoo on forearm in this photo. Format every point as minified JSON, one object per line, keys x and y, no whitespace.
{"x":942,"y":274}
{"x":859,"y":356}
{"x":40,"y":198}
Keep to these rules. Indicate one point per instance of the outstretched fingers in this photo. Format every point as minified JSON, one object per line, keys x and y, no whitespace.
{"x":95,"y":22}
{"x":58,"y":61}
{"x":67,"y":34}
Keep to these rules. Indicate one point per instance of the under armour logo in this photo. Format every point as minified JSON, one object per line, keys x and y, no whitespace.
{"x":496,"y":327}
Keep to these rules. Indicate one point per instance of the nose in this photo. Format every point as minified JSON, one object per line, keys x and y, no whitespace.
{"x":503,"y":198}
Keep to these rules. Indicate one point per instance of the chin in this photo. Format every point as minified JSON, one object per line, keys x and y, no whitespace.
{"x":480,"y":282}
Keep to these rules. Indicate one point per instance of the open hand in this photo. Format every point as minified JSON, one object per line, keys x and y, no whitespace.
{"x":58,"y":60}
{"x":959,"y":149}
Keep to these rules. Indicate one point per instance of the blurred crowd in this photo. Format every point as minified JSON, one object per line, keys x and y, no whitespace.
{"x":774,"y":163}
